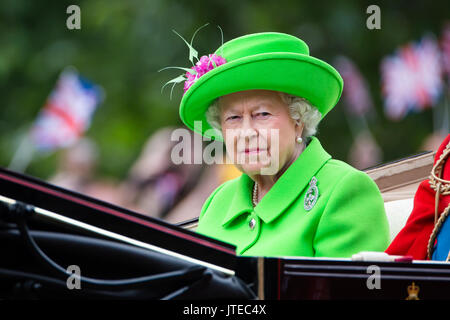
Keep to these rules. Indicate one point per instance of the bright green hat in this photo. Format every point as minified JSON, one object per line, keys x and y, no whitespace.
{"x":268,"y":60}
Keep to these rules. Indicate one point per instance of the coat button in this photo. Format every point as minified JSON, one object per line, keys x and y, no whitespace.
{"x":252,"y":223}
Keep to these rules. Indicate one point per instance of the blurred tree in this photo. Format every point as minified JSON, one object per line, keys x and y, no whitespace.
{"x":122,"y":44}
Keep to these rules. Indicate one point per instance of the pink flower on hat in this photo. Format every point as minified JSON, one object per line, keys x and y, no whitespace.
{"x":205,"y":64}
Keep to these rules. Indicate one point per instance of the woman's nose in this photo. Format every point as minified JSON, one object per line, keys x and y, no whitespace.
{"x":248,"y":129}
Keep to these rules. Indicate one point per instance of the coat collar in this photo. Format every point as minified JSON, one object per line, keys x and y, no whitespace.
{"x":284,"y":191}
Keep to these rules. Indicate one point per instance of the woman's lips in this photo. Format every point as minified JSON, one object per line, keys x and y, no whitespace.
{"x":253,"y":151}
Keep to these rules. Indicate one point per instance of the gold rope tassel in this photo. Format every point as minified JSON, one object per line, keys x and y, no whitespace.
{"x":436,"y":202}
{"x":436,"y":230}
{"x":442,"y":187}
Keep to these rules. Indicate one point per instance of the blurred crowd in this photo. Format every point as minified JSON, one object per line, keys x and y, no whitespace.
{"x":156,"y":187}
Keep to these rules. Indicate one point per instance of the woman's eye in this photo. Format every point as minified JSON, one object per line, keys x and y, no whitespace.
{"x":232,"y":118}
{"x":263,"y":114}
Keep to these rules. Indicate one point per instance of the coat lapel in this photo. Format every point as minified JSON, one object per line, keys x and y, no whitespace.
{"x":242,"y":199}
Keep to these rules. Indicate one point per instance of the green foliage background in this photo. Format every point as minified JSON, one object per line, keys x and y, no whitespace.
{"x":122,"y":44}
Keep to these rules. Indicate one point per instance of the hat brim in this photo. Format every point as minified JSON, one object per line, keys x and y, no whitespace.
{"x":292,"y":73}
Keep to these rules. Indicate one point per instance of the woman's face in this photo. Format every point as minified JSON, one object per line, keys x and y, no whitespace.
{"x":259,"y":134}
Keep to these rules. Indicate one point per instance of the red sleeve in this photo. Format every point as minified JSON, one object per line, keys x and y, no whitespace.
{"x":413,"y":238}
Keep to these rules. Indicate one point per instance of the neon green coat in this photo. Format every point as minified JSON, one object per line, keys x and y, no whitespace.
{"x":343,"y":216}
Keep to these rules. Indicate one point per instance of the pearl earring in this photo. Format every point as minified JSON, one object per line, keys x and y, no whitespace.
{"x":299,"y":140}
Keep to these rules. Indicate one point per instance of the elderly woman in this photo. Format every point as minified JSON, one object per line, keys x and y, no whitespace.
{"x":264,"y":95}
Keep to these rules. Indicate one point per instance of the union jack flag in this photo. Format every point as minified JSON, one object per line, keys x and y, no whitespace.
{"x":356,"y":90}
{"x":445,"y":45}
{"x":412,"y":78}
{"x":67,"y":112}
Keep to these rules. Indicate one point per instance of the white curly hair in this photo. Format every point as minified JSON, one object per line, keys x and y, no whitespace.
{"x":300,"y":109}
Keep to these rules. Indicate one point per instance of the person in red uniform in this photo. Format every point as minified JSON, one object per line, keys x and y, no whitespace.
{"x":413,"y":239}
